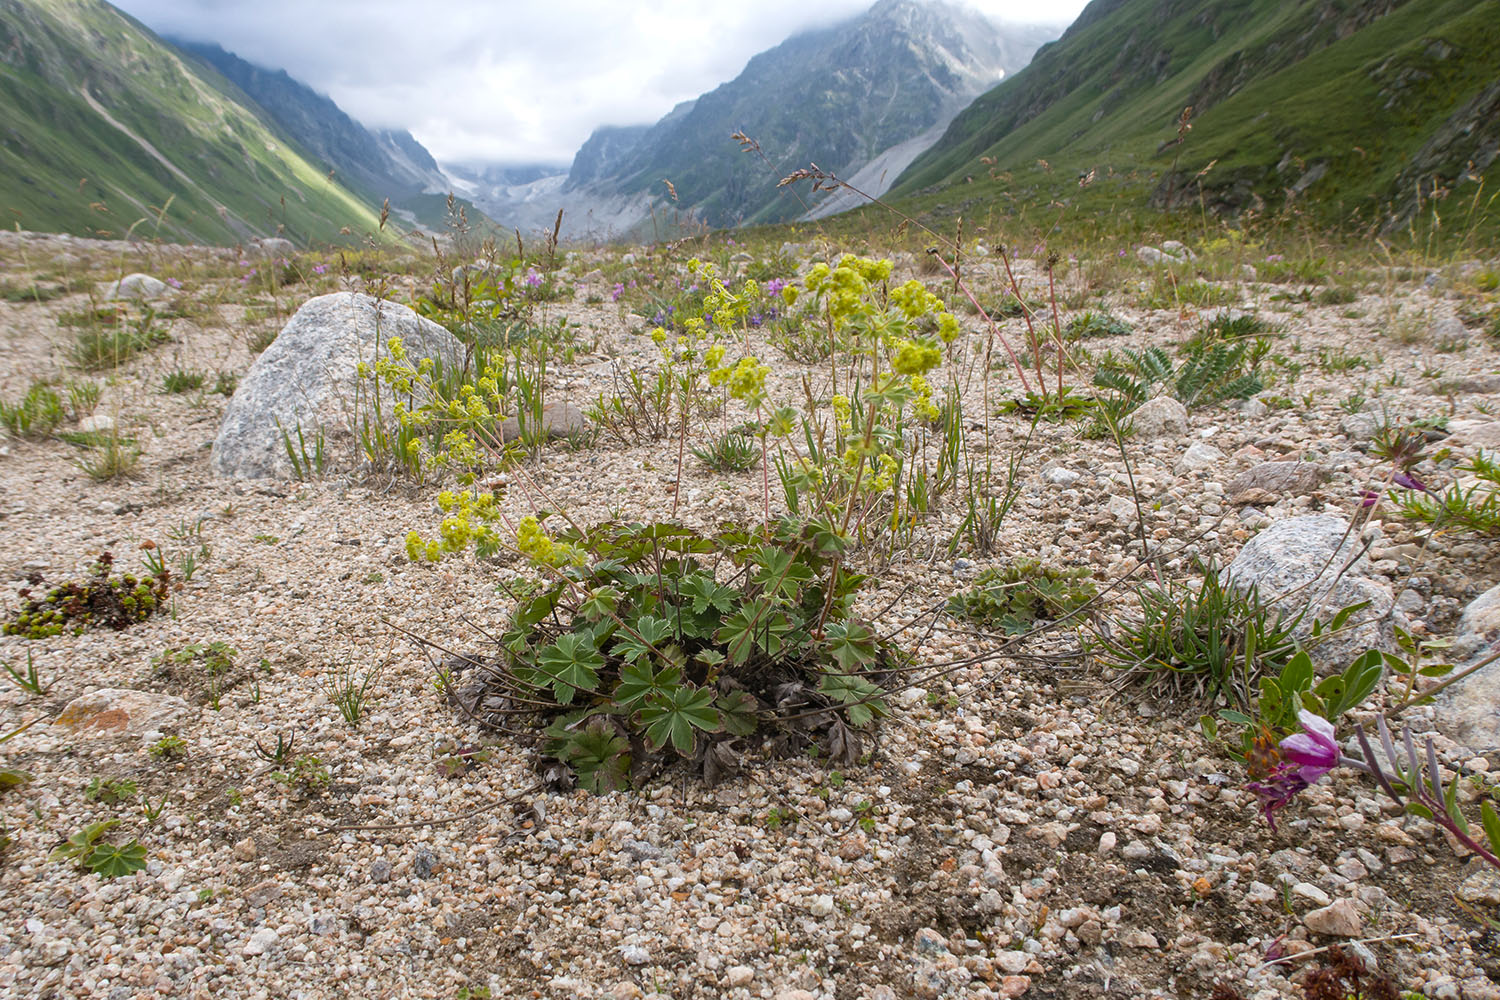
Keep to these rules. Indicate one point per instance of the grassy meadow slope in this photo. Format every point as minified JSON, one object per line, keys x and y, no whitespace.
{"x":1357,"y":112}
{"x":103,"y":127}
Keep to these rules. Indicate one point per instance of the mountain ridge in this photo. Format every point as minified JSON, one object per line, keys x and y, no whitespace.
{"x":104,"y":129}
{"x":1356,"y":112}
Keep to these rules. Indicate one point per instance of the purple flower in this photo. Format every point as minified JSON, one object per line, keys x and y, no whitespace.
{"x":174,"y":282}
{"x":1274,"y":258}
{"x":1305,"y":757}
{"x":1314,"y":750}
{"x":619,"y":290}
{"x":775,"y":285}
{"x":1409,"y":481}
{"x":532,"y":279}
{"x":244,"y":263}
{"x":319,"y":268}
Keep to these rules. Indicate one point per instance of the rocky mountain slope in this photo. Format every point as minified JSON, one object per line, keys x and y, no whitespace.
{"x":378,"y":164}
{"x":1360,"y":111}
{"x":104,"y":128}
{"x":879,"y":86}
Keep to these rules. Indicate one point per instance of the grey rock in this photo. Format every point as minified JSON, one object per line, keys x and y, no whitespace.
{"x":309,"y":378}
{"x":422,"y":864}
{"x":1470,"y":710}
{"x":271,"y":246}
{"x":1249,"y":273}
{"x":1153,"y":256}
{"x":260,"y":941}
{"x":1159,"y":417}
{"x":1199,"y":455}
{"x":1308,"y":555}
{"x":1449,"y":332}
{"x":1483,"y":434}
{"x":1059,"y":476}
{"x":640,"y":850}
{"x":634,"y":954}
{"x":135,"y":286}
{"x":1270,"y":481}
{"x":380,"y":871}
{"x":559,"y":420}
{"x":97,"y":423}
{"x":1179,"y":250}
{"x":1481,"y":384}
{"x":1359,"y":427}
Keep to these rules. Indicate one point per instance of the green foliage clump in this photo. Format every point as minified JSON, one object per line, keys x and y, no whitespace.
{"x":658,"y":643}
{"x":180,"y":380}
{"x":34,"y":415}
{"x":735,"y":450}
{"x":1209,"y":374}
{"x":1095,"y":324}
{"x":1471,"y":507}
{"x":1271,"y":713}
{"x":116,"y":602}
{"x":106,"y":859}
{"x":1015,"y":597}
{"x":109,"y":337}
{"x":1210,"y":641}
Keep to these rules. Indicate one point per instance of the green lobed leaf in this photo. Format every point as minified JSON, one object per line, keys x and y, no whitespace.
{"x":112,"y":861}
{"x":573,"y":664}
{"x":672,"y":717}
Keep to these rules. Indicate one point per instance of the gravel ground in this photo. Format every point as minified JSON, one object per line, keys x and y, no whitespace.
{"x":1027,"y":829}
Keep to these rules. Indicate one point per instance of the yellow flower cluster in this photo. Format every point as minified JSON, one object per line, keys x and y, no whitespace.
{"x":535,"y":544}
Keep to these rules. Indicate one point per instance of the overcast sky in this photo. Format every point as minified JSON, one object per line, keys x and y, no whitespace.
{"x":481,"y":80}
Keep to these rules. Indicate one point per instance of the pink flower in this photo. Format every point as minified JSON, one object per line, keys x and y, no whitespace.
{"x":1314,"y":750}
{"x":1305,"y":757}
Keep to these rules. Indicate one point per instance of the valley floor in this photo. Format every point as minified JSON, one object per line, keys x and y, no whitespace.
{"x":1023,"y":827}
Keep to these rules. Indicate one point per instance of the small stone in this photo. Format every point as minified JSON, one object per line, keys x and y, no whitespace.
{"x":821,"y":906}
{"x":1090,"y":932}
{"x":1014,"y":986}
{"x":422,"y":864}
{"x":96,"y":423}
{"x":1012,"y":962}
{"x":1059,"y":476}
{"x":634,"y":954}
{"x":1159,"y":417}
{"x":135,"y":286}
{"x":739,"y":975}
{"x":1199,"y":455}
{"x":1139,"y":939}
{"x":1482,"y":887}
{"x":990,"y":902}
{"x":260,"y":941}
{"x":380,"y":871}
{"x":1311,"y":892}
{"x":263,"y":893}
{"x":1338,"y":919}
{"x":930,"y":942}
{"x":244,"y":850}
{"x":1107,"y":841}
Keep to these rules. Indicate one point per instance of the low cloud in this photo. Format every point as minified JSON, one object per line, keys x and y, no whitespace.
{"x":477,"y":81}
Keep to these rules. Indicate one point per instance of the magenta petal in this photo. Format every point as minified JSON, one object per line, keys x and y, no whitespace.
{"x":1303,"y":749}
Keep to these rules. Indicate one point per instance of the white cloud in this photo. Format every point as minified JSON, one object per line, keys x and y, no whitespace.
{"x":476,"y":80}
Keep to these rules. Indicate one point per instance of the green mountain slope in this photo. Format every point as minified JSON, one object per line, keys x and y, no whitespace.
{"x":1355,"y":110}
{"x":102,"y":125}
{"x":376,"y":165}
